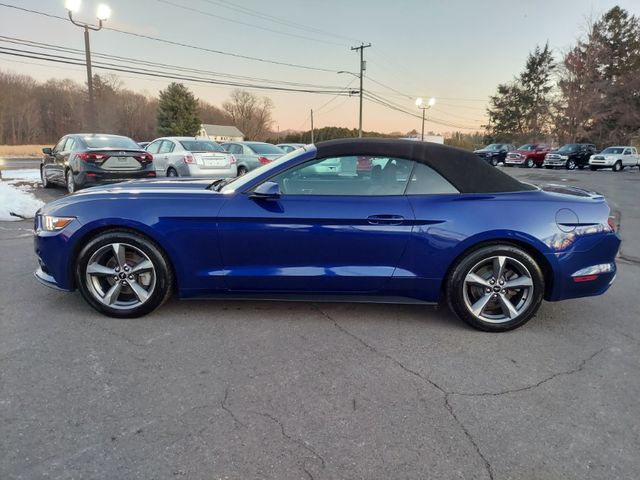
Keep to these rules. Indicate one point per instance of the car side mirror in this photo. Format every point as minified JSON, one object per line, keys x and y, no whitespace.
{"x":47,"y":151}
{"x":267,"y":190}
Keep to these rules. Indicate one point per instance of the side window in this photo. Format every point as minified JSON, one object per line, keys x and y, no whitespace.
{"x":627,"y":151}
{"x":231,"y":148}
{"x":426,"y":181}
{"x":347,"y":176}
{"x":166,"y":147}
{"x":60,"y":145}
{"x":70,"y":144}
{"x":153,"y":147}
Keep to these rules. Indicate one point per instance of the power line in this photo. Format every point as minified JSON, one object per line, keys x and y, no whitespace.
{"x":111,"y":67}
{"x":240,"y":22}
{"x":180,"y":44}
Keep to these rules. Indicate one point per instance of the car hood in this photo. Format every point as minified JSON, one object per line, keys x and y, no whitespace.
{"x":524,"y":152}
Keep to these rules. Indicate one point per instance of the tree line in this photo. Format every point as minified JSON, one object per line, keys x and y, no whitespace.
{"x":33,"y":112}
{"x":592,"y":94}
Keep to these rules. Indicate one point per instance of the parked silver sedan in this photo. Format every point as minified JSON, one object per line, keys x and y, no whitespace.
{"x":252,"y":155}
{"x":191,"y":157}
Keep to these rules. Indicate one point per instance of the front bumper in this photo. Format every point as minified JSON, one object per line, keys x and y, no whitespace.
{"x":555,"y":163}
{"x":515,"y":161}
{"x":48,"y":280}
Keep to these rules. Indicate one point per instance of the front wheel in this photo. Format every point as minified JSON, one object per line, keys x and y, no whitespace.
{"x":617,"y":167}
{"x":495,"y":288}
{"x":494,"y":162}
{"x":72,"y":186}
{"x":571,"y":164}
{"x":44,"y":180}
{"x":548,"y":167}
{"x":530,"y":163}
{"x":592,"y":168}
{"x":123,"y":274}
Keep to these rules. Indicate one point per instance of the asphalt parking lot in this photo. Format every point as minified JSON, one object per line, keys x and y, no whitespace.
{"x":245,"y":390}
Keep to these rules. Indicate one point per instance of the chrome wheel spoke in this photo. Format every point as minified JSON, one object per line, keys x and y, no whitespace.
{"x":119,"y":254}
{"x":498,"y":267}
{"x":507,"y":307}
{"x":517,"y":283}
{"x":143,"y":266}
{"x":478,"y":307}
{"x":97,"y":269}
{"x":140,"y":292}
{"x":473,"y":279}
{"x":112,"y":294}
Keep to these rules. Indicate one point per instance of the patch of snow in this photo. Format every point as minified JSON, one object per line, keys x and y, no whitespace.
{"x":15,"y":201}
{"x":21,"y":174}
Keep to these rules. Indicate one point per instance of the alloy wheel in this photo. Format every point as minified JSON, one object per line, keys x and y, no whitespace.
{"x":120,"y":276}
{"x":498,"y":289}
{"x":571,"y":164}
{"x":530,"y":163}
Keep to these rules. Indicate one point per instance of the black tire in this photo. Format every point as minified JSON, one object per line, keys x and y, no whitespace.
{"x":72,"y":186}
{"x":457,"y":290}
{"x":242,"y":170}
{"x":163,"y":274}
{"x":172,"y":172}
{"x":494,"y":162}
{"x":43,"y":179}
{"x":592,"y":168}
{"x":571,"y":164}
{"x":617,"y":167}
{"x":580,"y":167}
{"x":548,"y":167}
{"x":530,"y":163}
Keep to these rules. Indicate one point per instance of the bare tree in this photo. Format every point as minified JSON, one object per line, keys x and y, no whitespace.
{"x":251,"y":114}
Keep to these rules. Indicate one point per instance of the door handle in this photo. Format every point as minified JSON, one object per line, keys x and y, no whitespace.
{"x":385,"y":219}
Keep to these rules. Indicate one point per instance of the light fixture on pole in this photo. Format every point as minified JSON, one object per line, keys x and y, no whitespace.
{"x":103,"y":13}
{"x":421,"y":105}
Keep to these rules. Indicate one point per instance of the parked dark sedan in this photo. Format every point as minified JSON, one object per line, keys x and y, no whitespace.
{"x":429,"y":224}
{"x":495,"y":153}
{"x":84,"y":159}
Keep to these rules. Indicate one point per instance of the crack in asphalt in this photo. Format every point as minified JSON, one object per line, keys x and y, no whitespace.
{"x":448,"y":394}
{"x":298,"y":442}
{"x":223,"y":405}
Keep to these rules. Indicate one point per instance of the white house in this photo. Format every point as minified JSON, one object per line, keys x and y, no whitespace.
{"x":221,"y":133}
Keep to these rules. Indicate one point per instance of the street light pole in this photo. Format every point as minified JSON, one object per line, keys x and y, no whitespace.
{"x":102,"y":14}
{"x":363,"y":67}
{"x":420,"y":104}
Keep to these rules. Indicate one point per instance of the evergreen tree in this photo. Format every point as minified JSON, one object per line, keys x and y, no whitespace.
{"x":178,"y":112}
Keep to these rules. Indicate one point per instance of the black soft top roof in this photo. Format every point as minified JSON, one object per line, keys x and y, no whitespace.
{"x":465,"y":171}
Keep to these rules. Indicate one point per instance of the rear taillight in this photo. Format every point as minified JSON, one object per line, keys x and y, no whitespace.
{"x":263,"y":160}
{"x":232,"y":159}
{"x":612,"y":224}
{"x":189,"y":158}
{"x":144,"y":158}
{"x":92,"y":157}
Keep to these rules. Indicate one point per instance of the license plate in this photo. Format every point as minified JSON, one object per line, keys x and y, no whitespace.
{"x":215,"y":163}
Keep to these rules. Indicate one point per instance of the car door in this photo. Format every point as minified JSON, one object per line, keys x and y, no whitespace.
{"x":163,"y":156}
{"x":153,"y":148}
{"x":328,"y":232}
{"x":50,"y":169}
{"x":60,"y":161}
{"x":628,"y":159}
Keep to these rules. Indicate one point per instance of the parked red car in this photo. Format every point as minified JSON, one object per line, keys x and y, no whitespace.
{"x":529,"y":155}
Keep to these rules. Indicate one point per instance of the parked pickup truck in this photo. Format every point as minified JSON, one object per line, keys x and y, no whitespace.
{"x":570,"y":156}
{"x":529,"y":155}
{"x":615,"y":158}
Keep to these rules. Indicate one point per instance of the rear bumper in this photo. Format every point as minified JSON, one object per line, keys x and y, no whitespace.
{"x":204,"y":172}
{"x":97,"y":177}
{"x":569,"y":263}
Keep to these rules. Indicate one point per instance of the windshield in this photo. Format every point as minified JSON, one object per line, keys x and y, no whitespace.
{"x":494,"y":146}
{"x":613,"y":151}
{"x":109,"y":141}
{"x":527,"y":147}
{"x":201,"y":146}
{"x":239,"y":182}
{"x":568,"y":148}
{"x":265,"y":149}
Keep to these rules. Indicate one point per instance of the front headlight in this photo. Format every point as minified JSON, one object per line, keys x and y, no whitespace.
{"x":53,"y":224}
{"x":564,"y":157}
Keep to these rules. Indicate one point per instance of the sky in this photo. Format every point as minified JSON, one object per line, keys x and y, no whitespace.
{"x":457,"y":51}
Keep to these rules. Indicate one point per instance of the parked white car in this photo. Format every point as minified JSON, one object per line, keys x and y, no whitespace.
{"x":615,"y":158}
{"x":191,"y":157}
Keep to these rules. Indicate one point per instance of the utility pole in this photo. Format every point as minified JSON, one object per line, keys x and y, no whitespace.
{"x":363,"y":67}
{"x":312,"y":126}
{"x":92,"y":102}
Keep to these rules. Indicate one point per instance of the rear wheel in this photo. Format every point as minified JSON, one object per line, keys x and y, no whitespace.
{"x":242,"y":170}
{"x":123,"y":274}
{"x":495,"y":288}
{"x":548,"y":167}
{"x":171,"y":172}
{"x":72,"y":186}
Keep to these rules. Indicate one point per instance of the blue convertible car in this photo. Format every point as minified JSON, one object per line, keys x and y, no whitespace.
{"x":344,"y":220}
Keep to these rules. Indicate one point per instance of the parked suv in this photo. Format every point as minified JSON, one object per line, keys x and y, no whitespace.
{"x":570,"y":156}
{"x":495,"y":153}
{"x":529,"y":155}
{"x":85,"y":159}
{"x":615,"y":158}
